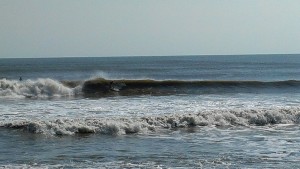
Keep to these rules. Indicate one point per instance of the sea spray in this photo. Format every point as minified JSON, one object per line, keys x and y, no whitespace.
{"x":39,"y":88}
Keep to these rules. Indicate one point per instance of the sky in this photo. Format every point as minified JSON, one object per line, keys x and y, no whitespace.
{"x":68,"y":28}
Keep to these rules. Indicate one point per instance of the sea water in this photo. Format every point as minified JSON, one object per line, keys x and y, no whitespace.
{"x":169,"y":112}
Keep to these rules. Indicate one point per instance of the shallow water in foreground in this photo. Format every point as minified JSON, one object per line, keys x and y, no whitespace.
{"x":264,"y":147}
{"x":206,"y":112}
{"x":219,"y":144}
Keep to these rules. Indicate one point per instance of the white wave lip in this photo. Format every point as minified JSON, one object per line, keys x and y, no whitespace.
{"x":144,"y":125}
{"x":40,"y":88}
{"x":73,"y":126}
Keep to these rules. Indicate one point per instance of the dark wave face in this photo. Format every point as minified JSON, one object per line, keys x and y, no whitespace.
{"x":49,"y":88}
{"x":145,"y":87}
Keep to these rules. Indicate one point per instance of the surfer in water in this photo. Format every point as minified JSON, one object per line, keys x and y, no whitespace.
{"x":20,"y":79}
{"x":111,"y":85}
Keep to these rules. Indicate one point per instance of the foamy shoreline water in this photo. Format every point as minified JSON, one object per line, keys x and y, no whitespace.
{"x":206,"y":112}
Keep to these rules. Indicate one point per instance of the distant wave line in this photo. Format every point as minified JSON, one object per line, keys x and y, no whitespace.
{"x":99,"y":87}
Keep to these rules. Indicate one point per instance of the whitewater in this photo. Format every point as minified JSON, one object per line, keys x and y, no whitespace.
{"x":150,"y":112}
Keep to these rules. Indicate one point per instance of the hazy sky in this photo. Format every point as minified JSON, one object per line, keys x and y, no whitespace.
{"x":56,"y":28}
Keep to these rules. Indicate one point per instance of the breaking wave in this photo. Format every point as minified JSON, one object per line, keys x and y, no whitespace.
{"x":155,"y":124}
{"x":99,"y":87}
{"x":102,"y":87}
{"x":40,"y":88}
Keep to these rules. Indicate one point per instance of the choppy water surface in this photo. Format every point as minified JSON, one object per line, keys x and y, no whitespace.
{"x":207,"y":112}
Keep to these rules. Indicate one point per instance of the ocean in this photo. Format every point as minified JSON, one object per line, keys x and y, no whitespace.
{"x":150,"y":112}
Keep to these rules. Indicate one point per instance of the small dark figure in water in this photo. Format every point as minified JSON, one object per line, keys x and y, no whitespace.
{"x":20,"y":78}
{"x":111,"y":84}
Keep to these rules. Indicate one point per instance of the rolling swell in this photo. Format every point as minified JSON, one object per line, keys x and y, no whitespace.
{"x":168,"y":87}
{"x":48,"y":88}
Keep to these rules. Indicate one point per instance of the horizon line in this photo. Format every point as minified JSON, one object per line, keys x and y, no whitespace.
{"x":116,"y":56}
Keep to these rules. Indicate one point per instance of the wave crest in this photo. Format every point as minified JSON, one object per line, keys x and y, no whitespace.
{"x":48,"y":88}
{"x":102,"y":87}
{"x":40,"y":88}
{"x":154,"y":124}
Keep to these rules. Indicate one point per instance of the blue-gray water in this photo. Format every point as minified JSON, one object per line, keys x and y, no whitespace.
{"x":265,"y":68}
{"x":216,"y":112}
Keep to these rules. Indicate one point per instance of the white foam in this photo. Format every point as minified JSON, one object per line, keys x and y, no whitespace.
{"x":99,"y":74}
{"x":40,"y":88}
{"x":144,"y":125}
